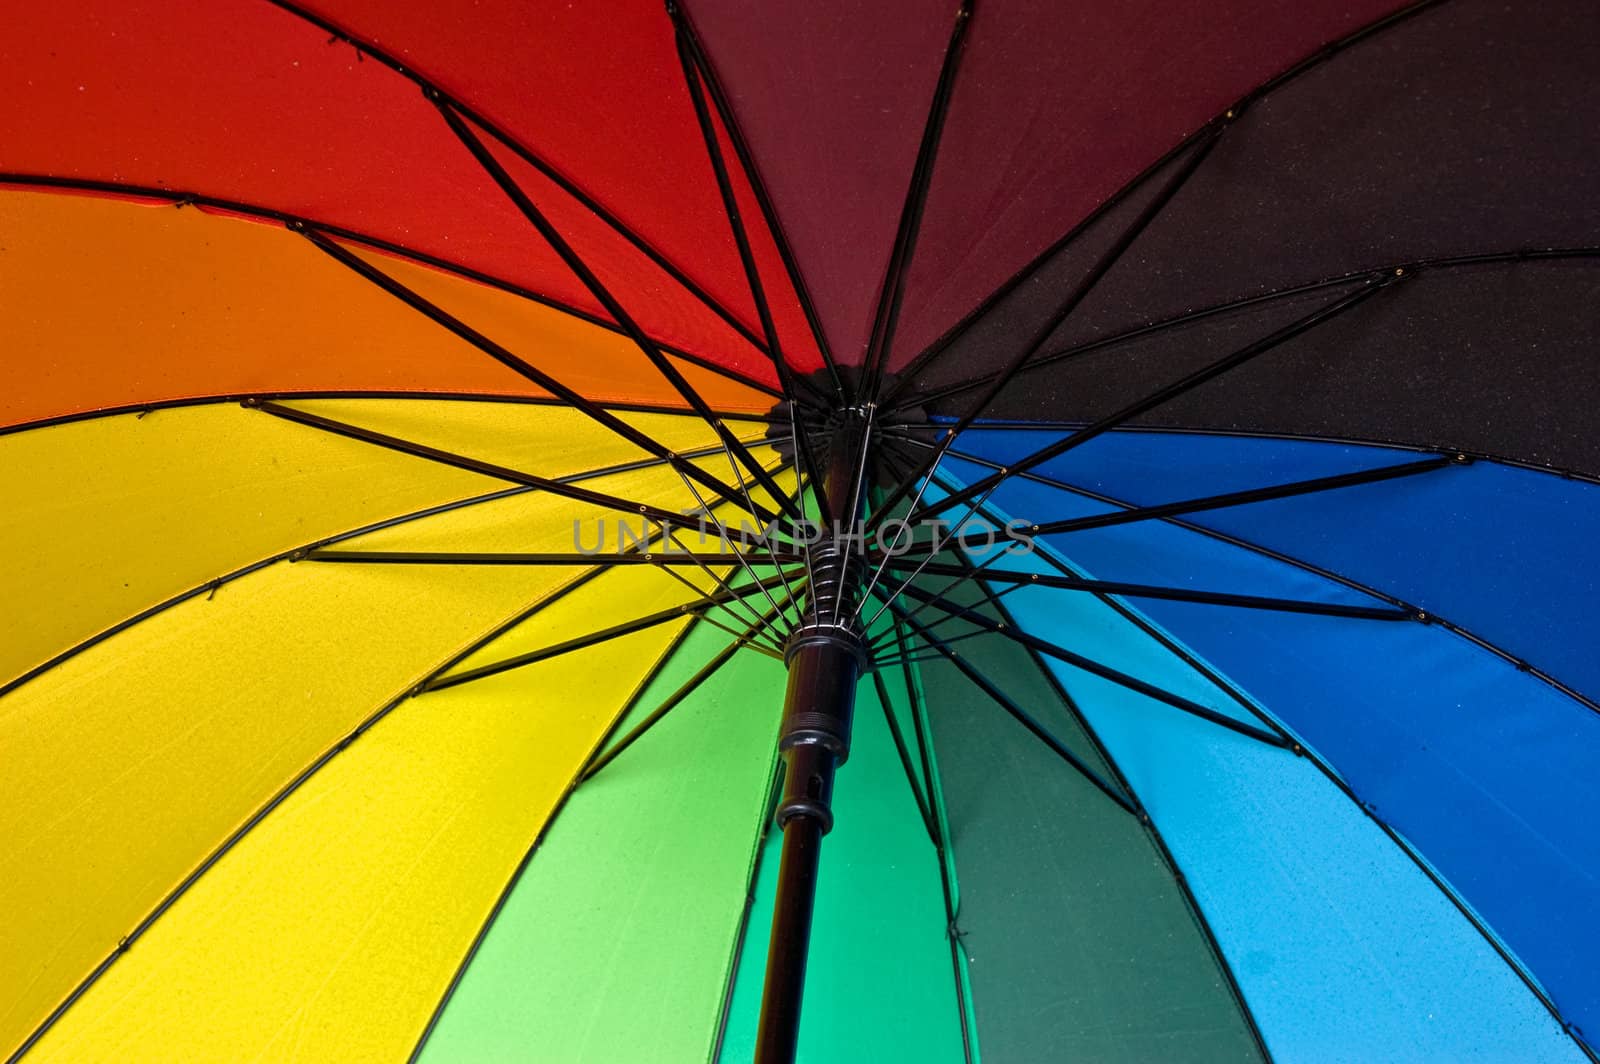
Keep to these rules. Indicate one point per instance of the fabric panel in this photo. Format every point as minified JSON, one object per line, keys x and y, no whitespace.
{"x":616,"y":939}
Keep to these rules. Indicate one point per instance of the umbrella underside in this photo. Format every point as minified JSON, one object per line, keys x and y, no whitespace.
{"x":415,"y":430}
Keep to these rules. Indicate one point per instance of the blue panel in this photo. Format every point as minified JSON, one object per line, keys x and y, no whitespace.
{"x":1510,"y":554}
{"x":1487,"y":770}
{"x":1342,"y":947}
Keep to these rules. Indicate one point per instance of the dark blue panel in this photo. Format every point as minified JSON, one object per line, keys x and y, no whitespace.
{"x":1512,"y":555}
{"x":1487,"y":770}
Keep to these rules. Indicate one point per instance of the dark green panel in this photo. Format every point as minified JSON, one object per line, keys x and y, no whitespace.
{"x":1080,"y":944}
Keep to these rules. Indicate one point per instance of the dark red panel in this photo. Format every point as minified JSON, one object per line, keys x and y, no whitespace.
{"x":832,"y":97}
{"x":1057,"y":105}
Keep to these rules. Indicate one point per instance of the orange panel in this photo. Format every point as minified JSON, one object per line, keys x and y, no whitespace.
{"x":111,"y":303}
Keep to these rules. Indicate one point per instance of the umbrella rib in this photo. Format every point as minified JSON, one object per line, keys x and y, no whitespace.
{"x":664,"y":558}
{"x":1253,"y":495}
{"x":941,"y":844}
{"x":722,"y":584}
{"x":1115,"y":771}
{"x":989,"y":595}
{"x":1521,"y":664}
{"x":1175,"y":594}
{"x":286,"y":791}
{"x":650,"y":676}
{"x":687,"y":688}
{"x":522,"y":151}
{"x":458,"y":461}
{"x":1327,"y":312}
{"x":730,"y":206}
{"x":1229,"y":114}
{"x":886,"y":316}
{"x":505,"y":357}
{"x":1227,"y":687}
{"x":1080,"y":291}
{"x":723,"y":532}
{"x":603,"y":294}
{"x":305,"y":550}
{"x":1022,"y":716}
{"x":1189,"y":318}
{"x":905,"y":757}
{"x":261,"y":213}
{"x":747,"y":163}
{"x":1105,"y":672}
{"x":765,"y":534}
{"x":1220,"y":501}
{"x":764,"y":647}
{"x":583,"y":642}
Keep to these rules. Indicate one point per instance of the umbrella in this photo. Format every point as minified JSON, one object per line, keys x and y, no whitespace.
{"x":861,"y":532}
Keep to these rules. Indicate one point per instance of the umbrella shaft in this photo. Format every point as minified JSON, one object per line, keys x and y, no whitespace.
{"x":791,"y":935}
{"x":825,"y":655}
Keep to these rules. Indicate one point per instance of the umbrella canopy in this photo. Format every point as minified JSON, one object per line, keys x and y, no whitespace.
{"x":474,"y":475}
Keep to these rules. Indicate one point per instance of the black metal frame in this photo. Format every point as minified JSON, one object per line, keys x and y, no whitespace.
{"x":828,"y":648}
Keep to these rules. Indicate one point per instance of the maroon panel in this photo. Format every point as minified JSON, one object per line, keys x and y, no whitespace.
{"x":832,"y":97}
{"x":1057,"y":105}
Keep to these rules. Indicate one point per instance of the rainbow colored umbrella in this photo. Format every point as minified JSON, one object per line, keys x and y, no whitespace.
{"x":544,"y":531}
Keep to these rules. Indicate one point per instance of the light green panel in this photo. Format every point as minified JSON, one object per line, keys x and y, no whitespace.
{"x":879,"y":981}
{"x":614,"y":945}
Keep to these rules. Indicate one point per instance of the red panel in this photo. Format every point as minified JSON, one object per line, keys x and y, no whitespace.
{"x":597,"y":90}
{"x":242,"y":100}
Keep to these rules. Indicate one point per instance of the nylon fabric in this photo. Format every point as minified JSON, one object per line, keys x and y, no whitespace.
{"x":109,"y":516}
{"x":273,"y":112}
{"x":627,"y":914}
{"x":1526,"y":536}
{"x":1481,"y":766}
{"x":139,"y":755}
{"x":1080,"y":941}
{"x":1057,"y":106}
{"x":1220,"y":803}
{"x":166,"y":304}
{"x":832,"y":99}
{"x":331,"y":930}
{"x":1343,"y":949}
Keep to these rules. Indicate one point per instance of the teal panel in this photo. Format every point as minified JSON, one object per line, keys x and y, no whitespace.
{"x":1343,"y":948}
{"x":879,"y":981}
{"x":615,"y":944}
{"x":1081,"y":945}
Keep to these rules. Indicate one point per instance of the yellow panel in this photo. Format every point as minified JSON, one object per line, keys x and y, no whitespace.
{"x":332,"y":930}
{"x":517,"y":523}
{"x":524,"y":435}
{"x":128,"y":763}
{"x":105,"y":517}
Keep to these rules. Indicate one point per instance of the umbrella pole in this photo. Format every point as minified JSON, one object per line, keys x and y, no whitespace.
{"x":825,"y":655}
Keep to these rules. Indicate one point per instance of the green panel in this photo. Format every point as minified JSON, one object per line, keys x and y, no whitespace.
{"x":879,"y":981}
{"x":615,"y":944}
{"x":1080,"y":943}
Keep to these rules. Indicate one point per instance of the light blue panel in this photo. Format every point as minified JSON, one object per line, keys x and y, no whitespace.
{"x":1487,"y":770}
{"x":1342,"y":947}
